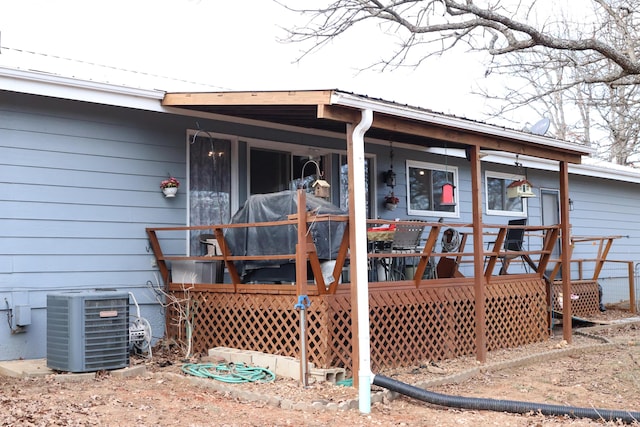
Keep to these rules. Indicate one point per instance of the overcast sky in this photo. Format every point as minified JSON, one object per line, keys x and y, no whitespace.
{"x":229,"y":45}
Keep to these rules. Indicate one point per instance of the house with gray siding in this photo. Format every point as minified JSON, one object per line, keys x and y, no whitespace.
{"x":81,"y":163}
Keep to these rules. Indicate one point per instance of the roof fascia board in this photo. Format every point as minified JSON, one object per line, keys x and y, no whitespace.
{"x":354,"y":101}
{"x":293,"y":97}
{"x":38,"y":83}
{"x":597,"y":171}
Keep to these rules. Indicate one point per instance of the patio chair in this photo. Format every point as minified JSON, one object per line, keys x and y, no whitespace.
{"x":406,"y":239}
{"x":513,"y":242}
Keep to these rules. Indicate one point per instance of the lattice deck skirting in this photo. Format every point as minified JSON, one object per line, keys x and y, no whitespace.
{"x":585,"y":299}
{"x":407,"y":324}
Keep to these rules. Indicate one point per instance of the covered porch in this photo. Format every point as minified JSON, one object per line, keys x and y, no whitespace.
{"x":461,"y":314}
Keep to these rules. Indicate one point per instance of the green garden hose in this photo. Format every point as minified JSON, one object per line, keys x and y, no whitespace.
{"x":229,"y":372}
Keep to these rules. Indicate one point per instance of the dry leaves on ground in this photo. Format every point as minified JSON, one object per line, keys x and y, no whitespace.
{"x":585,"y":373}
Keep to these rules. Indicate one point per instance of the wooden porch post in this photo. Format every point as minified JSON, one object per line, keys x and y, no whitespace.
{"x":301,"y":284}
{"x":478,"y":255}
{"x":565,"y":257}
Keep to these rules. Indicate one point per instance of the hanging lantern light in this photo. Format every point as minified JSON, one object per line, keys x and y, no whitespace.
{"x":390,"y":176}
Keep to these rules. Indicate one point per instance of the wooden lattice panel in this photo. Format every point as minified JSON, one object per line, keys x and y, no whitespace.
{"x":420,"y":324}
{"x":516,"y":313}
{"x":406,"y":325}
{"x":243,"y":321}
{"x":585,"y":298}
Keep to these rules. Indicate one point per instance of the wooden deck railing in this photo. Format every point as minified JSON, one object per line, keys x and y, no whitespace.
{"x":424,"y":260}
{"x":604,"y":244}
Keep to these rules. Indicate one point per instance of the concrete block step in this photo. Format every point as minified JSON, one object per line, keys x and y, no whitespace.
{"x":284,"y":366}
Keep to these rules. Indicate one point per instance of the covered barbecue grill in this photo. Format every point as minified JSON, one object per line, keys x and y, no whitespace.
{"x":280,"y":239}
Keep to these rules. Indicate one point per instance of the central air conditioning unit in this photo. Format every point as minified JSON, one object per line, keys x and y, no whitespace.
{"x":87,"y":330}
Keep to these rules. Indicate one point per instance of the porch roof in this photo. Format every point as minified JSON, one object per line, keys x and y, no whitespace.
{"x":331,"y":110}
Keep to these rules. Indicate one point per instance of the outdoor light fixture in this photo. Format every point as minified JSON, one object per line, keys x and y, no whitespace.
{"x":389,"y":176}
{"x":320,"y":186}
{"x":570,"y":204}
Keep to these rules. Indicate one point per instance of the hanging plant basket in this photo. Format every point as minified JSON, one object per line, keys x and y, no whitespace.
{"x":170,"y":186}
{"x":170,"y":191}
{"x":391,"y":201}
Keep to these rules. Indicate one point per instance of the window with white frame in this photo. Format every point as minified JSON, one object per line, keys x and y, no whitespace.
{"x":424,"y":189}
{"x":344,"y":184}
{"x":498,"y":203}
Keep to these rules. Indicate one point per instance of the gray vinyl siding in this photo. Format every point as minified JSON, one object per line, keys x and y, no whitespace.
{"x":606,"y":207}
{"x":81,"y":184}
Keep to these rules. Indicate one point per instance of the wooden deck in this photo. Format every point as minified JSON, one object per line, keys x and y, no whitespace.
{"x":422,"y":313}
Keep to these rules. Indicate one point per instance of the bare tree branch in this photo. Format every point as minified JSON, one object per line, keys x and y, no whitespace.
{"x":496,"y":28}
{"x":574,"y":62}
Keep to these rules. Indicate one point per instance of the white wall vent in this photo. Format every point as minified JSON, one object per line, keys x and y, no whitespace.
{"x":87,"y":330}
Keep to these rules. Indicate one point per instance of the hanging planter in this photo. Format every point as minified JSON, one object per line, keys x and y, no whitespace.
{"x":169,"y":187}
{"x":170,"y":191}
{"x":391,"y":202}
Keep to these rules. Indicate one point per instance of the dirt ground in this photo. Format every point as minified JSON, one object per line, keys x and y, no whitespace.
{"x":599,"y":369}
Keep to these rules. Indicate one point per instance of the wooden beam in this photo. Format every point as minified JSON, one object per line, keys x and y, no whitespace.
{"x":248,"y":98}
{"x":441,"y":133}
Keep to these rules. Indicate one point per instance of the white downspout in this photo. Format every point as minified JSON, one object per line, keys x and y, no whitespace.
{"x":365,"y":377}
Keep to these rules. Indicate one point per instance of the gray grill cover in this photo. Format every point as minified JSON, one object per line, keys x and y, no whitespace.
{"x":281,"y":239}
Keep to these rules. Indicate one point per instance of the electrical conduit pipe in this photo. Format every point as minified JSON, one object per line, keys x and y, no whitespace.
{"x":512,"y":406}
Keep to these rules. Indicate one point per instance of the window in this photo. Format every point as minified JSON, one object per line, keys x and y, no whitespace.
{"x":344,"y":184}
{"x":424,"y":183}
{"x":209,"y":183}
{"x":271,"y":171}
{"x":496,"y":195}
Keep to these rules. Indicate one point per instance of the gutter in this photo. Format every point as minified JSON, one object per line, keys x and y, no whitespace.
{"x":46,"y":84}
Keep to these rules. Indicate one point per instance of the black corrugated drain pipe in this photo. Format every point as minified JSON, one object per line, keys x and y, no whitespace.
{"x":511,"y":406}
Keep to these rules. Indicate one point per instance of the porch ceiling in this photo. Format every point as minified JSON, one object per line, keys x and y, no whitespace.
{"x":332,"y":110}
